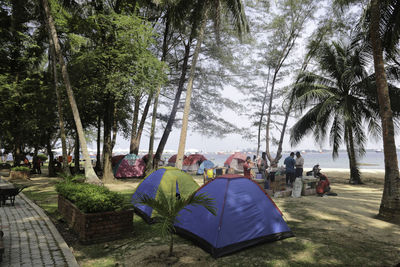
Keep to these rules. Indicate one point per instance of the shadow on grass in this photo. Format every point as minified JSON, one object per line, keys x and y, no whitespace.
{"x":334,"y":239}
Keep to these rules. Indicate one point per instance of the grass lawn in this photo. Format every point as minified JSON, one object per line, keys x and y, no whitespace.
{"x":330,"y":231}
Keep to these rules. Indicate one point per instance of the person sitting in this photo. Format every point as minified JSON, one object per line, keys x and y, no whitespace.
{"x":271,"y":175}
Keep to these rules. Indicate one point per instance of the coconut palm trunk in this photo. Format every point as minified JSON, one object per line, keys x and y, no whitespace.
{"x":90,"y":175}
{"x":186,"y":111}
{"x":390,"y":203}
{"x":354,"y":172}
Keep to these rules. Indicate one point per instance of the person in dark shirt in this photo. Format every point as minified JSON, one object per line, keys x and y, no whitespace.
{"x":290,"y":171}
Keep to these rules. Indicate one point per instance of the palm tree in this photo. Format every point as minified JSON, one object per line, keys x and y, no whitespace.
{"x":90,"y":175}
{"x":169,"y":205}
{"x":390,"y":204}
{"x":236,"y":9}
{"x":340,"y":100}
{"x":382,"y":31}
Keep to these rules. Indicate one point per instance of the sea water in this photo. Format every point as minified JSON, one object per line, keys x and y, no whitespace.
{"x":371,"y":160}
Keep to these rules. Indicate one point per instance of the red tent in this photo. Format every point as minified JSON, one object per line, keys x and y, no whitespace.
{"x":192,"y":162}
{"x":172,"y":160}
{"x":236,"y":161}
{"x":116,"y":159}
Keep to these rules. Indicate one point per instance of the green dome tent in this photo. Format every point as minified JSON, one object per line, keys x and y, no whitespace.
{"x":165,"y":179}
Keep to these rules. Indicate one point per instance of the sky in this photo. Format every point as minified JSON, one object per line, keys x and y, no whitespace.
{"x":235,"y":142}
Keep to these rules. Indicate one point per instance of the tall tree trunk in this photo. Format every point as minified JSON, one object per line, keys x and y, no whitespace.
{"x":186,"y":111}
{"x":354,"y":172}
{"x":76,"y":154}
{"x":136,"y":141}
{"x":98,"y":157}
{"x":153,"y":164}
{"x":108,"y":176}
{"x":134,"y":124}
{"x":114,"y":128}
{"x":52,"y":172}
{"x":150,"y":162}
{"x":390,"y":203}
{"x":171,"y":119}
{"x":90,"y":175}
{"x":63,"y":136}
{"x":262,"y":114}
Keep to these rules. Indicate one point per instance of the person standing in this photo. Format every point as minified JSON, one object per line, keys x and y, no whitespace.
{"x":262,"y":165}
{"x":247,"y":167}
{"x":290,"y":171}
{"x":299,"y":165}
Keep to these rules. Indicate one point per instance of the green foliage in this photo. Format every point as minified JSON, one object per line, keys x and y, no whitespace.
{"x":42,"y":157}
{"x":79,"y":178}
{"x":20,"y":168}
{"x":168,"y":206}
{"x":91,"y":198}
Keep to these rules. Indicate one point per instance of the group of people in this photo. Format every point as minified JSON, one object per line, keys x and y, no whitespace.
{"x":36,"y":164}
{"x":294,"y":168}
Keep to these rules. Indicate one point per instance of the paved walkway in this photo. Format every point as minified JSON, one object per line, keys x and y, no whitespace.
{"x":30,"y":238}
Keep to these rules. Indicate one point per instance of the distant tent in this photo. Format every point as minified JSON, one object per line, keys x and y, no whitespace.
{"x":236,"y":161}
{"x":116,"y":159}
{"x":130,"y":166}
{"x":165,"y":178}
{"x":192,"y":162}
{"x":172,"y":160}
{"x":205,"y":165}
{"x":245,"y":217}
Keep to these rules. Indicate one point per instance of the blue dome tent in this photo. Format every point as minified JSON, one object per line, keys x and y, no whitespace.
{"x":205,"y":165}
{"x":245,"y":217}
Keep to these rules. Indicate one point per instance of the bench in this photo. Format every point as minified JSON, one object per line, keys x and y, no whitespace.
{"x":1,"y":245}
{"x":8,"y":193}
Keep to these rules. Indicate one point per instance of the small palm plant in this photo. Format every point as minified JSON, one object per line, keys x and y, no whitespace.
{"x":168,"y":206}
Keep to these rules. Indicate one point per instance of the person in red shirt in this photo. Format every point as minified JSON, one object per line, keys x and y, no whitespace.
{"x":246,"y":167}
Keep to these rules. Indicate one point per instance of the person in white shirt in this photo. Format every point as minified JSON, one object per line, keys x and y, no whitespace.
{"x":299,"y":165}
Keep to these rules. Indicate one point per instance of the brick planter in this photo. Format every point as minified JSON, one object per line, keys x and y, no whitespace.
{"x":96,"y":227}
{"x":19,"y":174}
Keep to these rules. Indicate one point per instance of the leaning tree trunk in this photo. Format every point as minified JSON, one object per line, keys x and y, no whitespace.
{"x":390,"y":203}
{"x":171,"y":119}
{"x":63,"y":136}
{"x":134,"y":148}
{"x":90,"y":175}
{"x":186,"y":111}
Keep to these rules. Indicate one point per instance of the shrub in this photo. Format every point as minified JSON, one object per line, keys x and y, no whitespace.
{"x":91,"y":198}
{"x":20,"y":168}
{"x":42,"y":157}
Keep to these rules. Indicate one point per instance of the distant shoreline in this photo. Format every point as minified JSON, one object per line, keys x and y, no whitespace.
{"x":348,"y":170}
